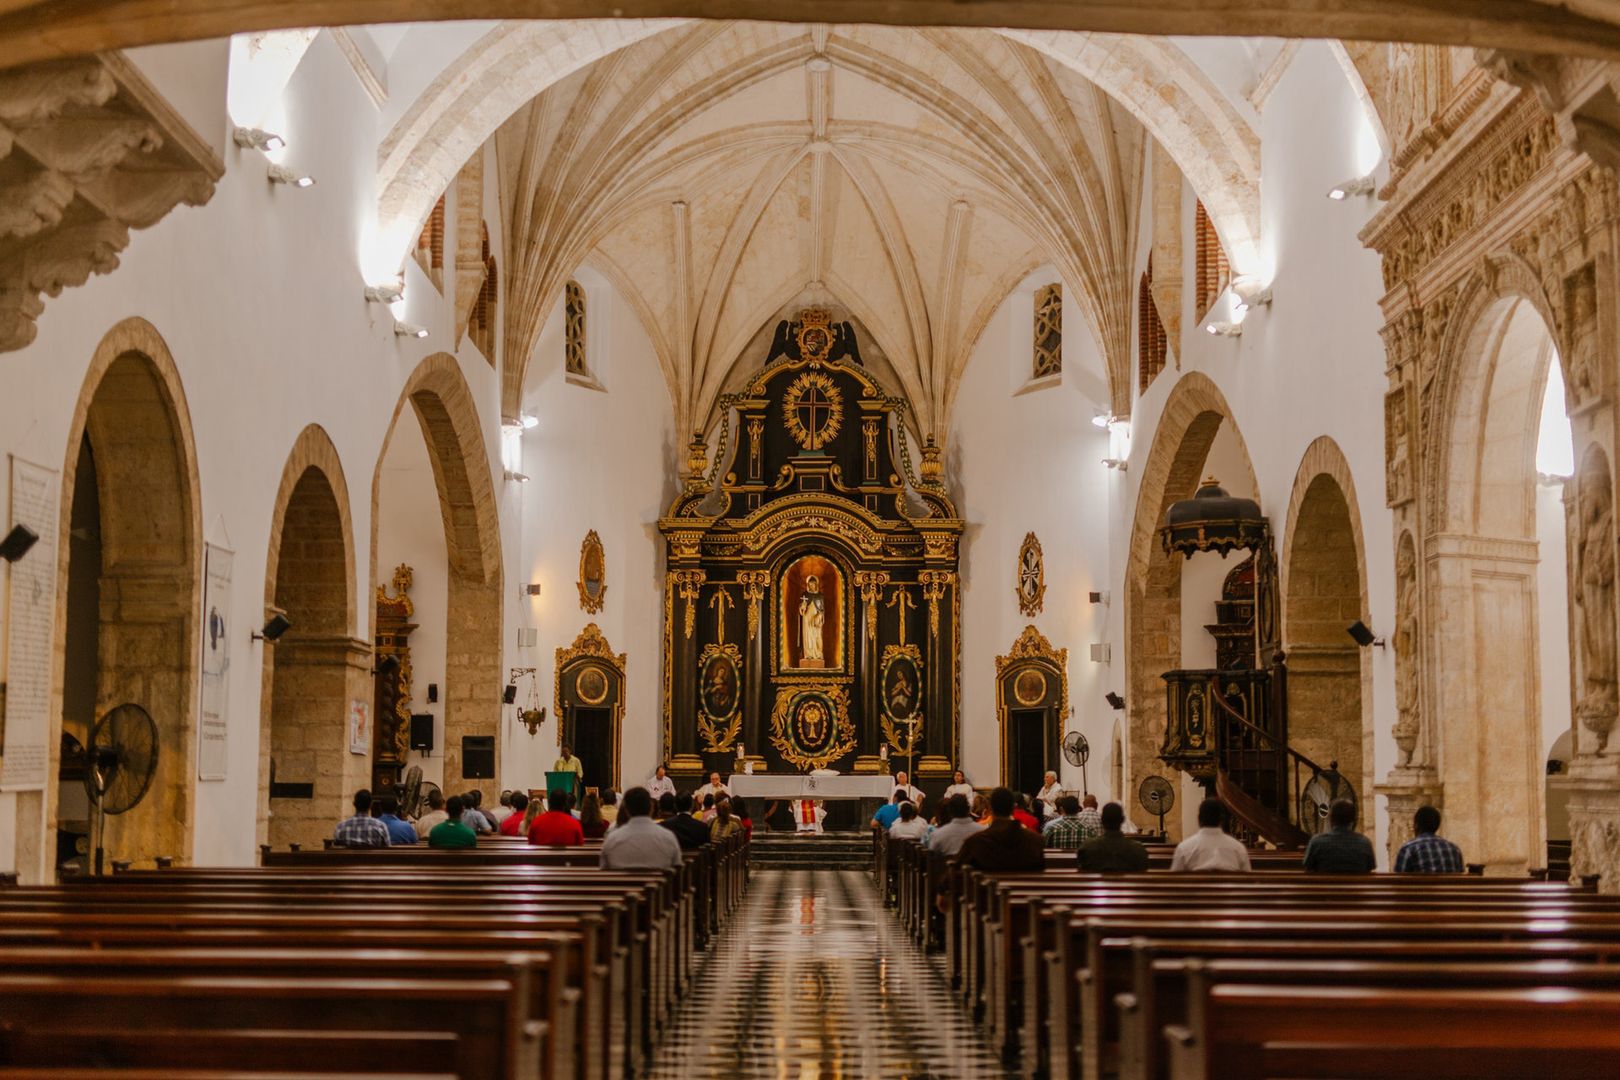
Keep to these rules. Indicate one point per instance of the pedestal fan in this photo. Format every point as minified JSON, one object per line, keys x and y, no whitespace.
{"x":1077,"y":752}
{"x":1157,"y":795}
{"x":1319,"y":794}
{"x":120,"y":761}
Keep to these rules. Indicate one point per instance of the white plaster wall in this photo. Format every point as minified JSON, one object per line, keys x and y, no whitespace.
{"x":1552,"y":615}
{"x":599,"y":459}
{"x":410,"y":530}
{"x":1312,"y":363}
{"x":259,"y":297}
{"x":1023,"y":462}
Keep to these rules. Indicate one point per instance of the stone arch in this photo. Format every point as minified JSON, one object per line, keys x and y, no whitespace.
{"x":318,"y":666}
{"x":438,"y":395}
{"x":1193,"y":414}
{"x":1323,"y":576}
{"x":1479,"y":557}
{"x":133,"y":417}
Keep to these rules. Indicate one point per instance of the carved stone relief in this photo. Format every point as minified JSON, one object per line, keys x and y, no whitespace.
{"x":1398,"y":446}
{"x":1582,"y":364}
{"x":1595,"y":556}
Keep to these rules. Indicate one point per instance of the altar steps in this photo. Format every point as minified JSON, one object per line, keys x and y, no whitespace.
{"x":830,"y":851}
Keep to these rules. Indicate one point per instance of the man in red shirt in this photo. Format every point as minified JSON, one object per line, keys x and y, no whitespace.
{"x":1022,"y":815}
{"x":513,"y":825}
{"x":556,"y":827}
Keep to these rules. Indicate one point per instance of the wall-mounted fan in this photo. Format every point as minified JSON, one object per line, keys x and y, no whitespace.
{"x":120,"y":760}
{"x":1076,"y":751}
{"x":1157,"y":795}
{"x":1319,"y":794}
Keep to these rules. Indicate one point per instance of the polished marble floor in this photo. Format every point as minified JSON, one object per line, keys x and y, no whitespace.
{"x":813,"y":980}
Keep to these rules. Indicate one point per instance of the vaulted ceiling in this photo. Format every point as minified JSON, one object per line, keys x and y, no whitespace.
{"x":717,"y":172}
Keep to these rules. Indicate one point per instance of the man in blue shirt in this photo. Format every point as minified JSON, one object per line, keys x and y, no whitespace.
{"x":400,"y":831}
{"x":1427,"y":853}
{"x":889,"y":811}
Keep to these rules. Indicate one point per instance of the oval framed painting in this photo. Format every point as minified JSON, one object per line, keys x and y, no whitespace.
{"x":591,"y":684}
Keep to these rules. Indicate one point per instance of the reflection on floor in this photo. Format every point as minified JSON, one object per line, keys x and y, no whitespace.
{"x":813,"y":980}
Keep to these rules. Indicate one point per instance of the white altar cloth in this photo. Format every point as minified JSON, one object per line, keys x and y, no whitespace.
{"x":792,"y":786}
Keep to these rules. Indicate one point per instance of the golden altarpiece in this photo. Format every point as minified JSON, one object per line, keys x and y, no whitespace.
{"x":812,"y":602}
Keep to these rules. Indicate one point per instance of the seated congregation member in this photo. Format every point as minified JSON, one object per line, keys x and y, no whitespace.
{"x":709,"y":802}
{"x":591,"y":821}
{"x":909,"y":826}
{"x":948,"y":838}
{"x":361,"y":830}
{"x":400,"y":831}
{"x":435,"y":814}
{"x":1112,"y":851}
{"x":503,"y":811}
{"x":471,"y":815}
{"x":739,"y":810}
{"x":1427,"y":853}
{"x":889,"y":812}
{"x":1340,"y":850}
{"x":724,"y":826}
{"x":639,"y":844}
{"x":1210,"y":848}
{"x":556,"y":827}
{"x":981,"y":809}
{"x":516,"y":823}
{"x":1065,"y":832}
{"x":660,"y":784}
{"x":689,"y":831}
{"x":1050,"y":791}
{"x":1021,"y":813}
{"x":453,"y":832}
{"x":1090,"y":819}
{"x":1005,"y":846}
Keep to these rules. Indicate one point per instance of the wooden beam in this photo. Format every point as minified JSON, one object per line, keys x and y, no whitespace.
{"x":36,"y":30}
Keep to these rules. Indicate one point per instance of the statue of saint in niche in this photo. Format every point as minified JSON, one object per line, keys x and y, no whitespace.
{"x":812,"y":620}
{"x":1598,"y":705}
{"x":811,"y":616}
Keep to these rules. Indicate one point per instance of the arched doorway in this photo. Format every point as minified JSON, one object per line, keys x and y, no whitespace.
{"x":1195,"y":419}
{"x":131,"y":566}
{"x":1324,"y":591}
{"x":589,"y":702}
{"x":1032,"y":701}
{"x":1491,"y":621}
{"x":317,"y":668}
{"x":459,"y":463}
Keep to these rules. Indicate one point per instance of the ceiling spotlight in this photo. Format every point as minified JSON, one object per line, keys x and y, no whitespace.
{"x":528,"y":423}
{"x":1115,"y":463}
{"x":516,"y":477}
{"x":405,"y":329}
{"x":1250,"y":293}
{"x":280,"y":174}
{"x":258,"y":139}
{"x":17,"y":543}
{"x":1225,"y":329}
{"x":1101,"y":420}
{"x":274,"y":627}
{"x":390,"y":293}
{"x":1361,"y":185}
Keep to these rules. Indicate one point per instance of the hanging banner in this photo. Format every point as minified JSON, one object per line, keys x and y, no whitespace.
{"x":30,"y":620}
{"x":216,"y":664}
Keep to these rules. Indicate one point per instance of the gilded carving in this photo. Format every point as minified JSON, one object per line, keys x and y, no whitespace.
{"x":934,"y":584}
{"x":592,"y":574}
{"x":810,"y":724}
{"x":813,"y":410}
{"x":590,"y":682}
{"x":1030,"y":582}
{"x":1031,"y":652}
{"x":688,"y":583}
{"x":870,"y":583}
{"x":754,"y":583}
{"x":901,"y":599}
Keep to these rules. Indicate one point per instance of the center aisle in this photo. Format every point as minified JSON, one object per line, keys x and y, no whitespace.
{"x":812,"y":979}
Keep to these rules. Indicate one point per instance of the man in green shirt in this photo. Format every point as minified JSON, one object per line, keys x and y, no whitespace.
{"x":451,"y":832}
{"x":567,"y":762}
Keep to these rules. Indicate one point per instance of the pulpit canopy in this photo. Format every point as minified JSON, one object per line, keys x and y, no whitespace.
{"x":1213,"y":520}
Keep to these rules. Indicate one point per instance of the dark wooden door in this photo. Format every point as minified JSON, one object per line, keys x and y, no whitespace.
{"x":1026,"y":760}
{"x":593,"y":742}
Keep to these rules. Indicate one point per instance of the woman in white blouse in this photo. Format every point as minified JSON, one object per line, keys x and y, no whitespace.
{"x":960,"y":786}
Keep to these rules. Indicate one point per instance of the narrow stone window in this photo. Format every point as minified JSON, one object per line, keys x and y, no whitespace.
{"x":430,"y":245}
{"x":1151,"y":342}
{"x":483,"y":322}
{"x":1213,"y":272}
{"x":1048,"y":358}
{"x":574,"y":329}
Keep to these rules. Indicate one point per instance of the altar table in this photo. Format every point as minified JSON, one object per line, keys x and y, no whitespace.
{"x":801,"y":786}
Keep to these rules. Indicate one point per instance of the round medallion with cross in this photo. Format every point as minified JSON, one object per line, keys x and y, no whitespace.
{"x":813,"y":409}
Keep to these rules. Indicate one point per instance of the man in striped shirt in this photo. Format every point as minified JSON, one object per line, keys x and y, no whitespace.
{"x":1427,"y":853}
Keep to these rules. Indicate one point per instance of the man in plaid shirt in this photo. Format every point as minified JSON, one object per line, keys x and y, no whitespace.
{"x":1072,"y":829}
{"x":361,"y":830}
{"x":1426,"y":853}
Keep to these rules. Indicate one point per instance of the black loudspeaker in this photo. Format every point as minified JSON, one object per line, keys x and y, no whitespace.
{"x":509,"y":695}
{"x":433,"y":693}
{"x":422,"y":731}
{"x":478,"y":757}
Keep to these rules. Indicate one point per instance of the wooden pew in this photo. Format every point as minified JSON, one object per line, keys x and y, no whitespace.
{"x":332,"y":1052}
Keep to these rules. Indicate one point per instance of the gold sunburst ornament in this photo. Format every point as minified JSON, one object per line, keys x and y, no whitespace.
{"x":813,"y":409}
